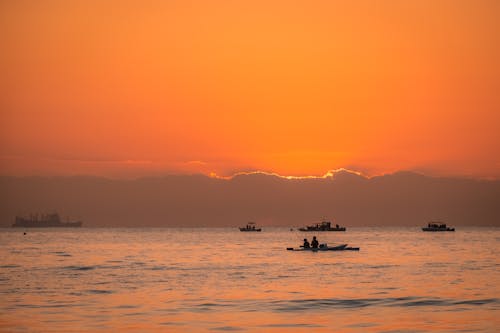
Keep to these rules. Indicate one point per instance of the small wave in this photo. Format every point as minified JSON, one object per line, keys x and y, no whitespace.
{"x":322,"y":304}
{"x":425,"y":302}
{"x":126,"y":306}
{"x":99,"y":291}
{"x":62,"y":254}
{"x":291,"y":325}
{"x":109,"y":266}
{"x":478,"y":301}
{"x":10,"y":266}
{"x":362,"y":325}
{"x":131,"y":314}
{"x":158,"y":268}
{"x":79,"y":268}
{"x":318,"y":304}
{"x":170,"y":323}
{"x":227,"y":328}
{"x":44,"y":306}
{"x":139,"y":263}
{"x":212,"y":305}
{"x":443,"y":302}
{"x":437,"y":264}
{"x":300,"y":305}
{"x":100,"y":283}
{"x":381,"y":266}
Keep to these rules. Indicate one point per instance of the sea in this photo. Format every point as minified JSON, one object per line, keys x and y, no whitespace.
{"x":224,"y":280}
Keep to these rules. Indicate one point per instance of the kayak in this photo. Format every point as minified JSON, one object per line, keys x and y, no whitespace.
{"x":323,"y":248}
{"x":342,"y":247}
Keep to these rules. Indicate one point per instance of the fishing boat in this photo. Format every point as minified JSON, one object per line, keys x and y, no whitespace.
{"x":323,"y":226}
{"x":437,"y":226}
{"x":250,"y":227}
{"x":44,"y":221}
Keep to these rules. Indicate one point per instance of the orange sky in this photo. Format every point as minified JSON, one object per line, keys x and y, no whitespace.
{"x":133,"y":88}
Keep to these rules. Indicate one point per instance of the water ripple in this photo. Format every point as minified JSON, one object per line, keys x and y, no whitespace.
{"x":99,"y":291}
{"x":227,"y":328}
{"x":298,"y":305}
{"x":291,"y":325}
{"x":323,"y":304}
{"x":79,"y":268}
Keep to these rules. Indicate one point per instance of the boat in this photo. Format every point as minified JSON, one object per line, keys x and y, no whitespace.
{"x":323,"y":226}
{"x":44,"y":221}
{"x":437,"y":226}
{"x":325,"y":247}
{"x":250,"y":227}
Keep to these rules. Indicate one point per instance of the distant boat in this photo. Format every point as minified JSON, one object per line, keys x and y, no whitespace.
{"x":437,"y":226}
{"x":44,"y":221}
{"x":323,"y":226}
{"x":250,"y":227}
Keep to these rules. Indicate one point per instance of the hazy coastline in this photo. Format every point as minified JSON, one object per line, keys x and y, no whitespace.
{"x":400,"y":199}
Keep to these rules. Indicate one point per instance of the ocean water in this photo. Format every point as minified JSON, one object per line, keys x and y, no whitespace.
{"x":220,"y":280}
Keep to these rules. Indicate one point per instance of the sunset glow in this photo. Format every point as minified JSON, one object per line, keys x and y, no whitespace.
{"x":329,"y":174}
{"x":128,"y":89}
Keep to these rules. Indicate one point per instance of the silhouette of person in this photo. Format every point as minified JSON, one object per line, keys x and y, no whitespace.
{"x":306,"y":244}
{"x":314,"y":243}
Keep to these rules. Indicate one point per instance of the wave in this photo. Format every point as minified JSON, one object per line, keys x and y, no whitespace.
{"x":292,"y":325}
{"x":228,"y":328}
{"x":299,"y":305}
{"x":62,"y":254}
{"x":79,"y":268}
{"x":99,"y":291}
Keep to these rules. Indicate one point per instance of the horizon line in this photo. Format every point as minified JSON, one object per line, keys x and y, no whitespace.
{"x":330,"y":174}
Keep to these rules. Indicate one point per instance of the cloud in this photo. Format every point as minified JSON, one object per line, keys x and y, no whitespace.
{"x":328,"y":174}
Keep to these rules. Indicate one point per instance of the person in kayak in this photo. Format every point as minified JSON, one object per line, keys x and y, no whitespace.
{"x":306,"y":244}
{"x":314,"y":243}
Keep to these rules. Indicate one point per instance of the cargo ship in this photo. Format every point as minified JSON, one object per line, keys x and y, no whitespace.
{"x":44,"y":221}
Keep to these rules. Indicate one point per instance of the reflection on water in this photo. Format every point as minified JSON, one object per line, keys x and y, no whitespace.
{"x":208,"y":280}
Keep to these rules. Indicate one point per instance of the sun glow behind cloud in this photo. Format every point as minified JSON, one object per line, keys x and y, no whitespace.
{"x":328,"y":174}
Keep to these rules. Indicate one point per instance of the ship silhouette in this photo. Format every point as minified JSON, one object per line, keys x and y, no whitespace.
{"x":44,"y":221}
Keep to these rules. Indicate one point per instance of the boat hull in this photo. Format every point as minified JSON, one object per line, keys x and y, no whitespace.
{"x":250,"y":230}
{"x":331,"y":229}
{"x":47,"y":225}
{"x":342,"y":247}
{"x":437,"y":229}
{"x":45,"y":221}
